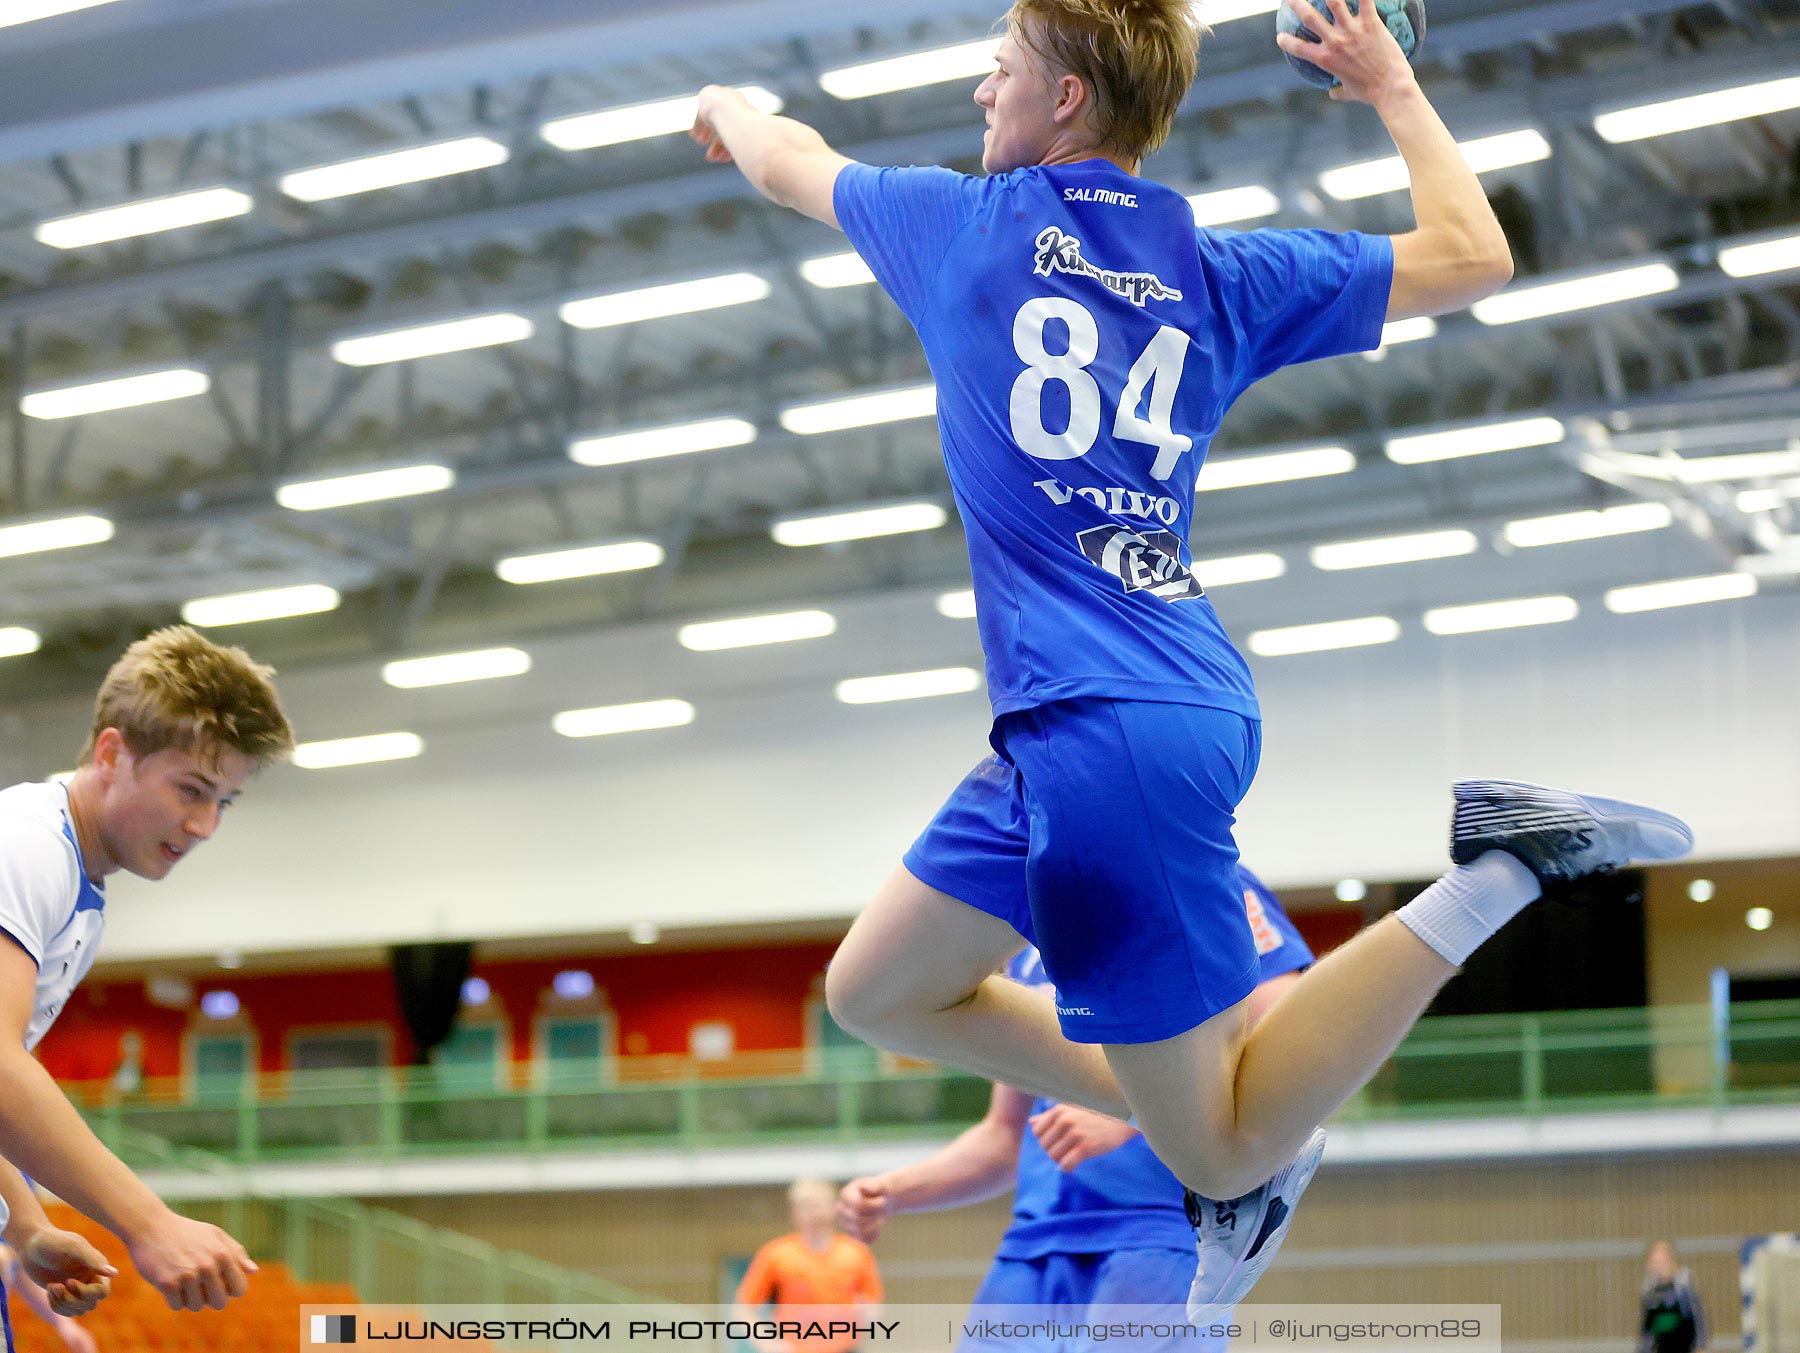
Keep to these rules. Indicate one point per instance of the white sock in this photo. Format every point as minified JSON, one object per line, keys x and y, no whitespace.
{"x":1464,"y":907}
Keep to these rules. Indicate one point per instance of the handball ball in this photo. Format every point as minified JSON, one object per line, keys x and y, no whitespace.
{"x":1405,"y":19}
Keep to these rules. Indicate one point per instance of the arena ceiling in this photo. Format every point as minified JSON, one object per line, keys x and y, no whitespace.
{"x":138,"y":100}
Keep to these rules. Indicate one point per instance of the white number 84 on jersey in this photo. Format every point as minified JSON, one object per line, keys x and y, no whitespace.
{"x":1158,"y":369}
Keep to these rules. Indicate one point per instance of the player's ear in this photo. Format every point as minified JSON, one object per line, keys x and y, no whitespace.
{"x":1074,"y":100}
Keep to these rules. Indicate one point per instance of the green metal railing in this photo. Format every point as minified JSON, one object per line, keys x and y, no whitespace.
{"x":1463,"y":1065}
{"x":385,"y":1256}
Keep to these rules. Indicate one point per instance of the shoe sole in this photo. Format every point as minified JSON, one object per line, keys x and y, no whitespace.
{"x":1667,"y":835}
{"x":1289,"y":1184}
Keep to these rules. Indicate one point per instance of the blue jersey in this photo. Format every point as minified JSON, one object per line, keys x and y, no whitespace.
{"x":1126,"y":1199}
{"x":1086,"y":341}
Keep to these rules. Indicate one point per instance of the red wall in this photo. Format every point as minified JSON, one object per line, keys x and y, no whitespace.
{"x":656,"y":997}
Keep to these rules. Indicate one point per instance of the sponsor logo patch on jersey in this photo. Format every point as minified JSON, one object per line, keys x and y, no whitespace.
{"x":1146,"y":561}
{"x":1058,"y":252}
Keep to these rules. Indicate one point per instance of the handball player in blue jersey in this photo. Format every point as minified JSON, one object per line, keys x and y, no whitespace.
{"x":1098,"y":1221}
{"x":1086,"y":341}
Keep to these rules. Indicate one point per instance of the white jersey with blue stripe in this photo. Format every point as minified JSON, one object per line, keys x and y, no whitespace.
{"x":48,"y":905}
{"x":1086,"y":341}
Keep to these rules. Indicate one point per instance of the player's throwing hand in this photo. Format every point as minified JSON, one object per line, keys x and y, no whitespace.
{"x":1357,"y":48}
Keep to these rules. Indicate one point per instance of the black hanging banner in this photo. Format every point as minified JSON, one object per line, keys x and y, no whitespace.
{"x":428,"y":978}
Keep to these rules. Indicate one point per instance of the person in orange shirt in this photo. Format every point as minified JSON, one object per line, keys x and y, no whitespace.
{"x":816,"y":1273}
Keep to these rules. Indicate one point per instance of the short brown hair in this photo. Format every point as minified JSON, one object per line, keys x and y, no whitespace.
{"x":1138,"y":57}
{"x":177,"y":688}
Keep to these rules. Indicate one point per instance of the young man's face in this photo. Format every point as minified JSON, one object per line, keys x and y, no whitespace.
{"x":1020,"y":101}
{"x":155,"y":809}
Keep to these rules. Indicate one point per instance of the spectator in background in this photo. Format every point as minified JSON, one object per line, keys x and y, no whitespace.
{"x":1674,"y":1321}
{"x":816,"y":1272}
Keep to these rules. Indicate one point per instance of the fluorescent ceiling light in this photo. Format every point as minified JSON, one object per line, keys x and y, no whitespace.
{"x":1576,"y":293}
{"x":1759,"y":918}
{"x":1501,"y":615}
{"x":1741,"y":465}
{"x":1477,"y":439}
{"x":16,"y":641}
{"x":1394,"y":550}
{"x":633,"y":718}
{"x":315,"y":495}
{"x":1388,"y":174}
{"x":27,"y":11}
{"x":640,"y":121}
{"x":449,"y":668}
{"x":674,"y":298}
{"x":1238,"y":568}
{"x":829,"y":528}
{"x":677,"y":439}
{"x":273,"y":603}
{"x":711,"y":635}
{"x":60,"y":533}
{"x":1277,"y":467}
{"x":429,"y":340}
{"x":1359,"y":633}
{"x":1747,"y":260}
{"x":1680,"y":592}
{"x":390,"y":170}
{"x":1698,"y":110}
{"x":1225,"y":205}
{"x":123,"y":392}
{"x":957,"y":605}
{"x":1564,"y":527}
{"x":837,"y":270}
{"x":908,"y":685}
{"x":964,"y":60}
{"x":587,"y":561}
{"x":150,"y":217}
{"x":858,"y":411}
{"x":358,"y":751}
{"x":1770,"y":499}
{"x":1408,"y":330}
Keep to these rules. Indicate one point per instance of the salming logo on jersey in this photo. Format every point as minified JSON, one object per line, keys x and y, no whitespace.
{"x":1148,"y":561}
{"x":1057,"y":252}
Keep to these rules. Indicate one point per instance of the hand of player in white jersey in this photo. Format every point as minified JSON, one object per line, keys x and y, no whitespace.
{"x":194,"y":1265}
{"x":1357,"y":48}
{"x":74,"y":1275}
{"x":862,"y":1208}
{"x":1070,"y":1135}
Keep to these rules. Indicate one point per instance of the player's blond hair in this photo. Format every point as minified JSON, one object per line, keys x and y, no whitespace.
{"x":812,"y":1188}
{"x":176,"y":688}
{"x":1137,"y":56}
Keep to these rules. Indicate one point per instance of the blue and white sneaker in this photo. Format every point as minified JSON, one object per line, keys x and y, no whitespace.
{"x":1559,"y":835}
{"x":1238,"y":1238}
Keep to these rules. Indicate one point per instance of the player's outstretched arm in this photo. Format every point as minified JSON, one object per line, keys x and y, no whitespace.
{"x":1458,"y":254}
{"x":978,"y":1165}
{"x":192,"y":1264}
{"x":786,"y":161}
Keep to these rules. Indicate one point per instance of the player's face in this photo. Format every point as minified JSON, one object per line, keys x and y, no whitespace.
{"x":1020,"y":102}
{"x":156,"y":809}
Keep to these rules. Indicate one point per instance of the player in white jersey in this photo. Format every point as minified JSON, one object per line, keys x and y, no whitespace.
{"x":1085,"y":340}
{"x":180,"y":725}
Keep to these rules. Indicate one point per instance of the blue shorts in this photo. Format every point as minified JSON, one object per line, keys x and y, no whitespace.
{"x":1103,"y":836}
{"x":1088,"y":1286}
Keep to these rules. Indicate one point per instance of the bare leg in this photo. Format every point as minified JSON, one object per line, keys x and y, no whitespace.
{"x":1225,"y":1106}
{"x":917,"y":975}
